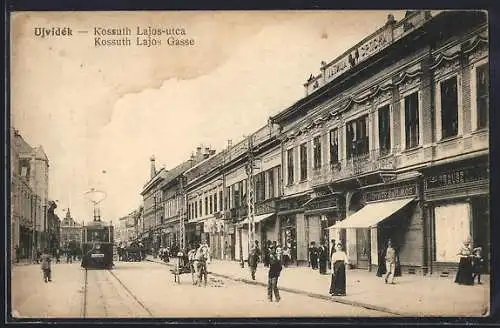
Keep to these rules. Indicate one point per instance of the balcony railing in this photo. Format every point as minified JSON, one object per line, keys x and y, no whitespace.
{"x":373,"y":161}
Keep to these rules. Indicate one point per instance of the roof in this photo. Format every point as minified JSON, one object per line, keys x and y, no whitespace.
{"x":20,"y":144}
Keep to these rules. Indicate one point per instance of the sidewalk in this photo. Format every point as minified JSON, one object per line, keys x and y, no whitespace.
{"x":412,"y":295}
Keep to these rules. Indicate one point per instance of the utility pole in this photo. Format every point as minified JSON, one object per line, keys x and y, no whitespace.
{"x":250,"y":194}
{"x":182,"y":213}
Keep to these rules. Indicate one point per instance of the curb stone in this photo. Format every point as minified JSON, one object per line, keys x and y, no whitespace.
{"x":301,"y":292}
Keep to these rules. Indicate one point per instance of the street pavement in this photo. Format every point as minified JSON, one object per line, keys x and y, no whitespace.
{"x":149,"y":290}
{"x":411,"y":295}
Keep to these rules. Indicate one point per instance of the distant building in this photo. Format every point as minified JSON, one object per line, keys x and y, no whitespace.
{"x":71,"y":231}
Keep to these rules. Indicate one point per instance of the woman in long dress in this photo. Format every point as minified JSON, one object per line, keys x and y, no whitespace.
{"x":339,"y":263}
{"x":465,"y":272}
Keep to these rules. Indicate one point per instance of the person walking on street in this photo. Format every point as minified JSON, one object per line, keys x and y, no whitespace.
{"x":69,"y":258}
{"x":390,"y":262}
{"x":273,"y":276}
{"x":267,"y":247}
{"x":192,"y":264}
{"x":313,"y":256}
{"x":45,"y":265}
{"x":253,"y":259}
{"x":58,"y":255}
{"x":339,"y":263}
{"x":322,"y":258}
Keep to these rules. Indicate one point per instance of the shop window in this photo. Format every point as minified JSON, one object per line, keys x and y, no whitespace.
{"x":452,"y":228}
{"x":317,"y":152}
{"x":357,"y":142}
{"x":411,"y":121}
{"x":449,"y":108}
{"x":482,"y":96}
{"x":334,"y":146}
{"x":270,"y":181}
{"x":290,"y":166}
{"x":384,"y":130}
{"x":303,"y":162}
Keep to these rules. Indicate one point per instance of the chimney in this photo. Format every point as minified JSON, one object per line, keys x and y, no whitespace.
{"x":229,"y":143}
{"x":153,"y":167}
{"x":198,"y":151}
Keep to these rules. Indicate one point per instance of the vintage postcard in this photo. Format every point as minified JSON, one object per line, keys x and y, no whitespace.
{"x":178,"y":164}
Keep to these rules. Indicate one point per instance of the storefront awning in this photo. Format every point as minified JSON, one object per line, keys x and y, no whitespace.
{"x":257,"y":218}
{"x":372,"y":214}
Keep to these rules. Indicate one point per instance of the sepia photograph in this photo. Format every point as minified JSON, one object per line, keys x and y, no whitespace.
{"x":249,"y":164}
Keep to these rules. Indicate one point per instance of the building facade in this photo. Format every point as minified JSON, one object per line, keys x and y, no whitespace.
{"x":29,"y":192}
{"x":71,"y":232}
{"x":391,"y":142}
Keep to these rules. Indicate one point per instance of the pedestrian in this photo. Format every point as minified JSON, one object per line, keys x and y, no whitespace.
{"x":477,"y":264}
{"x":253,"y":259}
{"x":322,"y":258}
{"x":38,"y":256}
{"x":202,"y":258}
{"x":279,"y":252}
{"x":332,"y":250}
{"x":273,"y":275}
{"x":390,"y":262}
{"x":313,"y":256}
{"x":192,"y":260}
{"x":58,"y":255}
{"x":464,"y":273}
{"x":69,"y":258}
{"x":267,"y":246}
{"x":339,"y":263}
{"x":17,"y":254}
{"x":286,"y":256}
{"x":45,"y":265}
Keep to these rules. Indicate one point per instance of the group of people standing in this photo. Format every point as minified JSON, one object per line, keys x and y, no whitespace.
{"x":471,"y":264}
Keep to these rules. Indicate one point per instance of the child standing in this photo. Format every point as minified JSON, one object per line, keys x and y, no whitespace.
{"x":45,"y":260}
{"x":477,"y":264}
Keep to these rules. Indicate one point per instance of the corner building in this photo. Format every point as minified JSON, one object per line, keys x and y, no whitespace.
{"x":391,"y":141}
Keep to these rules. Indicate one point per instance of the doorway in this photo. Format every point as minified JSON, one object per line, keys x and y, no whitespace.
{"x":481,"y":228}
{"x":363,"y":248}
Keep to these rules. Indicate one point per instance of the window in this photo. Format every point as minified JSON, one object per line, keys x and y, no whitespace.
{"x":303,"y":161}
{"x":235,"y":191}
{"x":482,"y":96}
{"x":227,"y":198}
{"x":215,"y":201}
{"x":279,"y":180}
{"x":384,"y":130}
{"x":317,"y":152}
{"x":195,"y":209}
{"x":334,"y":146}
{"x":270,"y":179}
{"x":290,"y":166}
{"x":211,"y":205}
{"x":411,"y":120}
{"x":206,"y":205}
{"x":357,"y":137}
{"x":201,"y":208}
{"x":220,"y":200}
{"x":260,"y":187}
{"x":449,"y":108}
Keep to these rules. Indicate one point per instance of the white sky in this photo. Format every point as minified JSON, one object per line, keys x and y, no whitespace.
{"x":95,"y":109}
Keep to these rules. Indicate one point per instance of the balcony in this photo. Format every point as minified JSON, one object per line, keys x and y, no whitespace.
{"x":374,"y":161}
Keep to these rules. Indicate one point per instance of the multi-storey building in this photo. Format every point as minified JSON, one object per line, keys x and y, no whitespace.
{"x":123,"y":231}
{"x":160,"y":191}
{"x":29,"y":191}
{"x":71,"y":232}
{"x":391,"y":142}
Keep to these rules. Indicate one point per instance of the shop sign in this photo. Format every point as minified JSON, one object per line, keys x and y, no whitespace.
{"x":291,"y":204}
{"x":265,"y":207}
{"x":456,"y":177}
{"x":398,"y":191}
{"x":361,"y":52}
{"x":323,"y":202}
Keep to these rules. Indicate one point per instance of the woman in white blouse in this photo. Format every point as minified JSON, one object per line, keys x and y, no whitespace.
{"x":339,"y":263}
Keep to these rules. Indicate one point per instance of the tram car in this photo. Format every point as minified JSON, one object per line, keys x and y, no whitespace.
{"x":97,"y":245}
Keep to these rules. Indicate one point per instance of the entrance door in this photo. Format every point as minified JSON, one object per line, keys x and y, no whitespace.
{"x":363,"y":248}
{"x":481,"y":227}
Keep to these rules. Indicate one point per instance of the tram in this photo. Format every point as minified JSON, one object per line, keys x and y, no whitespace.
{"x":97,"y":245}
